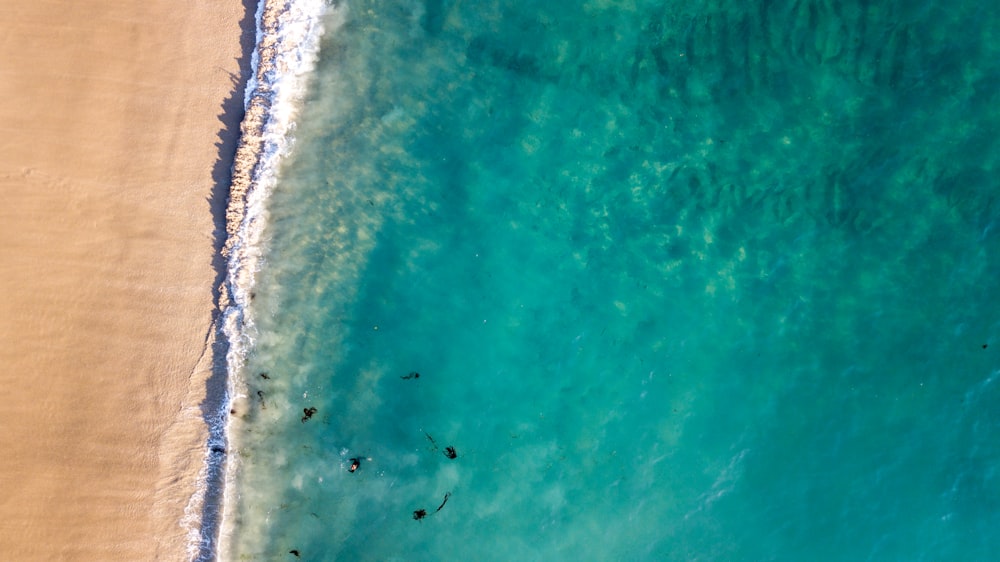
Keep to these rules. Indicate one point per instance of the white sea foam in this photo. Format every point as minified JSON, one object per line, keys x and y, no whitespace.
{"x":288,"y":34}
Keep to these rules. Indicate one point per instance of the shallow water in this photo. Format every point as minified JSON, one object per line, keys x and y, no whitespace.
{"x":704,"y":282}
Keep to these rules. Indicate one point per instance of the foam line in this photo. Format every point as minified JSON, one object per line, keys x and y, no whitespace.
{"x":288,"y":34}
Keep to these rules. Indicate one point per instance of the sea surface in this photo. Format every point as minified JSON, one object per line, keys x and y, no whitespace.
{"x":702,"y":280}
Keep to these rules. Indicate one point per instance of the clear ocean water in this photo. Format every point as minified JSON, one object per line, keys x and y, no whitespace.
{"x":705,"y":280}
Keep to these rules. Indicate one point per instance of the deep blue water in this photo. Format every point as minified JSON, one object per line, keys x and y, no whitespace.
{"x":682,"y":281}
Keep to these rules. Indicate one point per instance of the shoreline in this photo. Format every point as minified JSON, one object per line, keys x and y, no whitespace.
{"x":120,"y":127}
{"x":288,"y":34}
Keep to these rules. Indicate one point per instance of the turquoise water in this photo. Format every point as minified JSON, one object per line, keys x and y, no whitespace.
{"x":682,"y":281}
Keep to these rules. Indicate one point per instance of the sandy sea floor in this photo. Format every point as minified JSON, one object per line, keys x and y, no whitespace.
{"x":118,"y":125}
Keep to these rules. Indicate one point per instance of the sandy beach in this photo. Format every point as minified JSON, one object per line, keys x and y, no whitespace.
{"x":118,"y":125}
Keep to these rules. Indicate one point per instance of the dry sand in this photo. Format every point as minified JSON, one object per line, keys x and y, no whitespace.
{"x":118,"y":121}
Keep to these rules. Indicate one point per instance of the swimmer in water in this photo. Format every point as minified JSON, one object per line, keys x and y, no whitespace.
{"x":308,"y":413}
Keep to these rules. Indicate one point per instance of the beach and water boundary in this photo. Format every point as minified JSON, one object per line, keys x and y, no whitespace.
{"x":288,"y":35}
{"x":124,"y":270}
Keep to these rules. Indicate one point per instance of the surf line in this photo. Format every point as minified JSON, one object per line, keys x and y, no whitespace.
{"x":287,"y":47}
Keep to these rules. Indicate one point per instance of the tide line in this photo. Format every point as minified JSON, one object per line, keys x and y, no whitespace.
{"x":288,"y":37}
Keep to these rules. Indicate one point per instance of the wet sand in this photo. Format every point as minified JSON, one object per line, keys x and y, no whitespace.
{"x":117,"y":132}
